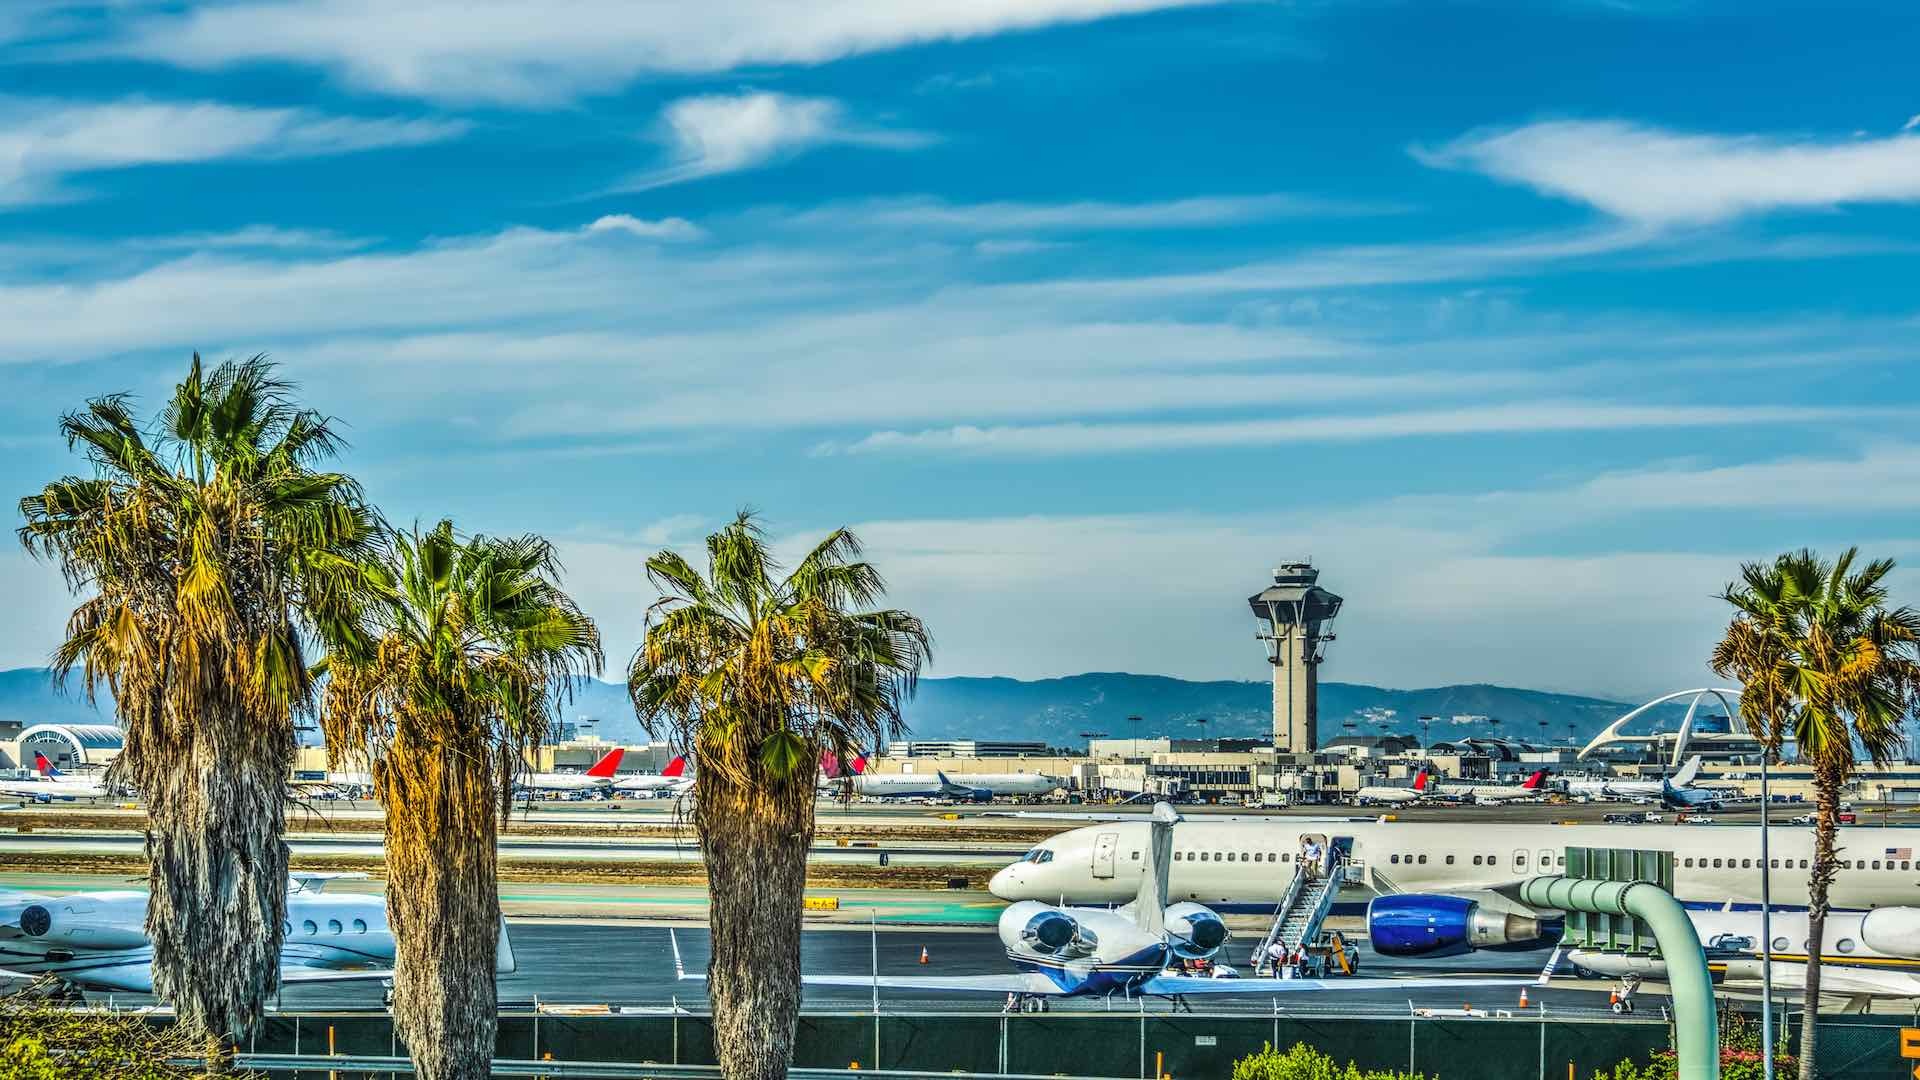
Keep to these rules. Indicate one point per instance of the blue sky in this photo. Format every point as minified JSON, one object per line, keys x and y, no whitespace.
{"x":1528,"y":322}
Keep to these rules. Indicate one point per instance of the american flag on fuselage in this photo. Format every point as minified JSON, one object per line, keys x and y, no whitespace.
{"x":1899,"y":853}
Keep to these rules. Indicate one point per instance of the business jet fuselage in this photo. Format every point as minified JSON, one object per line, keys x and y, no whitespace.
{"x":1866,"y":954}
{"x":1247,"y":865}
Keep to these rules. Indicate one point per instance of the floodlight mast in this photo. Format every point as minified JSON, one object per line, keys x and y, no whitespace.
{"x":1296,"y":624}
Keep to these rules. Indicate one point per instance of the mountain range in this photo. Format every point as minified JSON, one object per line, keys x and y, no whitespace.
{"x":1066,"y":711}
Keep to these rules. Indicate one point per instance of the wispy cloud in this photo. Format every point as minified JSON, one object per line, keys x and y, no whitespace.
{"x":1200,"y":212}
{"x":43,"y":141}
{"x":524,"y":52}
{"x":1660,"y":177}
{"x":1041,"y":440}
{"x":723,"y":133}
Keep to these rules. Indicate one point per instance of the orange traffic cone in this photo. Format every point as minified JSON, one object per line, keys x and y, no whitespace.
{"x":1613,"y":998}
{"x":1523,"y":997}
{"x":923,"y":954}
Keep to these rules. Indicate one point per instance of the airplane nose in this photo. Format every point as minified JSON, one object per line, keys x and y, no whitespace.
{"x":1004,"y":882}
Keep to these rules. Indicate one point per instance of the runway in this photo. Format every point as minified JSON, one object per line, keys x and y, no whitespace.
{"x":632,"y":965}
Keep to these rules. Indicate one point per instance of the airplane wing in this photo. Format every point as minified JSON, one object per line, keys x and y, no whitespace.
{"x":1010,"y":983}
{"x":1171,"y":985}
{"x":291,"y":976}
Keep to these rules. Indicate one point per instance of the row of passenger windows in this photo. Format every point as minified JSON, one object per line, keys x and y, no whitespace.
{"x":1478,"y":860}
{"x":312,"y":929}
{"x":1421,"y":860}
{"x":1790,"y":864}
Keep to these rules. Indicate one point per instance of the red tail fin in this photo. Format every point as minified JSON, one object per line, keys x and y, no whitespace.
{"x":41,"y":764}
{"x":1533,"y":782}
{"x":603,"y":769}
{"x":859,"y":764}
{"x":676,"y":767}
{"x":1420,"y":780}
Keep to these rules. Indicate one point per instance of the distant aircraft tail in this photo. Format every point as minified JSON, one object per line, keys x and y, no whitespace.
{"x":45,"y":767}
{"x":859,"y":765}
{"x":604,"y":768}
{"x":1687,"y":773}
{"x":1420,"y":781}
{"x":1533,"y":782}
{"x":675,"y":768}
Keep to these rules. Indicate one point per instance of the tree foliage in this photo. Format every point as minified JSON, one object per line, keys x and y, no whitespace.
{"x":470,"y":646}
{"x":755,"y":675}
{"x":1823,"y":658}
{"x":1303,"y":1062}
{"x":42,"y":1040}
{"x":209,"y":552}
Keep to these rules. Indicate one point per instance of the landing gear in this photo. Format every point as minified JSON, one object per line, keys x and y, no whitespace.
{"x":1622,"y":999}
{"x":1025,"y":1003}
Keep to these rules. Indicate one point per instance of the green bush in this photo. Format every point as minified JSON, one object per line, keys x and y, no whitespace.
{"x":42,"y":1040}
{"x":1303,"y":1062}
{"x":1739,"y":1056}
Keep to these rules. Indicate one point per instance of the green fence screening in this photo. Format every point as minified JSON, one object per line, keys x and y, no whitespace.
{"x":1116,"y":1044}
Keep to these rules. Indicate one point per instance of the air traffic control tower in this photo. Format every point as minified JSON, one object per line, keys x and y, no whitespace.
{"x":1296,"y":622}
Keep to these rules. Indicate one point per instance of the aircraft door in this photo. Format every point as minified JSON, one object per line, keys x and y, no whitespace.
{"x":1103,"y":849}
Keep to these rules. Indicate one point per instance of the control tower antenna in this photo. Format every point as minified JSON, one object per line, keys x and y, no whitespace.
{"x":1296,"y":623}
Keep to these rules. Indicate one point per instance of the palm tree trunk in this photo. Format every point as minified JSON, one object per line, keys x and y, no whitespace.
{"x":1827,"y":782}
{"x":443,"y":903}
{"x":217,"y":867}
{"x":755,"y":840}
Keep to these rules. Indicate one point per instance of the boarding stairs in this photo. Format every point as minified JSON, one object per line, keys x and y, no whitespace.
{"x":1308,"y":899}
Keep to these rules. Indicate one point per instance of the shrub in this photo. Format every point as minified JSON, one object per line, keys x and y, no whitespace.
{"x":40,"y":1040}
{"x":1303,"y":1062}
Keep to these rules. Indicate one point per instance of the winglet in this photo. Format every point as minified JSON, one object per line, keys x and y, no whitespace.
{"x":604,"y":768}
{"x":1150,"y":904}
{"x":679,"y":966}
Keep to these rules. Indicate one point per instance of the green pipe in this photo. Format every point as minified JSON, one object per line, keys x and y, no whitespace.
{"x":1696,"y":1030}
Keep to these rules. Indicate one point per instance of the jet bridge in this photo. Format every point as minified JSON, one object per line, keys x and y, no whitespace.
{"x":1296,"y":929}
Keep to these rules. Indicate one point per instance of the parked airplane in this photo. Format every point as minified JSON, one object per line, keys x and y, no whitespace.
{"x":1246,"y":865}
{"x":1490,"y":794}
{"x":1068,"y":951}
{"x":673,"y":780}
{"x":98,"y":940}
{"x":1373,"y":794}
{"x":974,"y":787}
{"x":49,"y":783}
{"x":1675,"y":793}
{"x":599,"y":777}
{"x":1866,"y":955}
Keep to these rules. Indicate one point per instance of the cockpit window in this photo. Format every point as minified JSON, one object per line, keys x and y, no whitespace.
{"x":1039,"y":855}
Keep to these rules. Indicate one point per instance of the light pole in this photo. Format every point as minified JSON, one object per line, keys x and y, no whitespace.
{"x":1766,"y":926}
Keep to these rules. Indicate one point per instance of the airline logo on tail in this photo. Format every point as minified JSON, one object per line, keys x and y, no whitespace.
{"x":603,"y":769}
{"x":1420,"y":782}
{"x":46,"y":768}
{"x":675,"y":768}
{"x":830,"y":766}
{"x":1533,"y":782}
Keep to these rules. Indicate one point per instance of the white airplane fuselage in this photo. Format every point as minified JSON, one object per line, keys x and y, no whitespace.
{"x":41,"y":789}
{"x":97,"y":940}
{"x":1247,"y":865}
{"x":1872,"y":954}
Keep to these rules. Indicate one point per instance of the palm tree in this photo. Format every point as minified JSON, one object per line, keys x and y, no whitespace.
{"x":756,"y":676}
{"x":209,"y":553}
{"x":473,"y":645}
{"x":1821,"y":658}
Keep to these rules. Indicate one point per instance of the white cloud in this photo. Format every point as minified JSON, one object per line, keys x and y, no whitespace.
{"x":1912,"y":123}
{"x":527,"y":52}
{"x":44,"y":140}
{"x":1493,"y":418}
{"x":1206,"y":211}
{"x":723,"y":133}
{"x":1661,"y":177}
{"x":672,"y":228}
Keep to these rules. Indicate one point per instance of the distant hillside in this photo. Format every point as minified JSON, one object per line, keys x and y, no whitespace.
{"x":1058,"y":711}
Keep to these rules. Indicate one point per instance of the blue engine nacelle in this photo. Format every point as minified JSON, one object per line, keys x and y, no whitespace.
{"x":1194,"y":931}
{"x":1417,"y":924}
{"x":1055,"y":933}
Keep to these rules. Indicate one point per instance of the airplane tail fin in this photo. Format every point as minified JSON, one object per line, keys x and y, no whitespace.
{"x":675,"y":768}
{"x":829,"y":765}
{"x":1533,"y":782}
{"x":45,"y":767}
{"x":1420,"y":781}
{"x":1150,"y":904}
{"x":603,"y":769}
{"x":859,"y":764}
{"x":1687,"y":773}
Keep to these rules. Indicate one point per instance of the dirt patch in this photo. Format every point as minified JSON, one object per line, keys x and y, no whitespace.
{"x":542,"y":871}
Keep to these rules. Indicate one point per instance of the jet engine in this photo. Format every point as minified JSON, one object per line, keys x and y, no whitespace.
{"x":1194,"y":931}
{"x":1045,"y":930}
{"x":1894,"y":931}
{"x":77,"y":930}
{"x":1416,"y":924}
